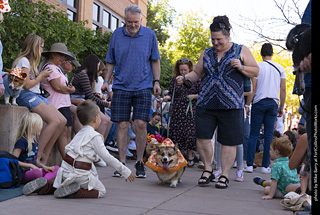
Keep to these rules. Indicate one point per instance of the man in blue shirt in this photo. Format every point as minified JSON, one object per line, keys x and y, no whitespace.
{"x":133,"y":52}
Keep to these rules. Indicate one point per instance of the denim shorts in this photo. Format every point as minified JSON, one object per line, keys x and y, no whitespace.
{"x":229,"y":123}
{"x":122,"y":101}
{"x":30,"y":99}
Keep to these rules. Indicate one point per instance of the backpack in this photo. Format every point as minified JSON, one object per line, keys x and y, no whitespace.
{"x":10,"y":172}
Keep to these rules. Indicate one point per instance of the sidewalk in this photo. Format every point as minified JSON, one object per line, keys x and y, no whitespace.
{"x":145,"y":196}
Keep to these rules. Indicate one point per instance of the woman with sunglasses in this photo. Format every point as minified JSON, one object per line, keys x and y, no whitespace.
{"x":220,"y":103}
{"x":182,"y":114}
{"x":59,"y":89}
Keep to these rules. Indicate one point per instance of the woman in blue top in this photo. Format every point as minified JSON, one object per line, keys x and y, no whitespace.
{"x":221,"y":100}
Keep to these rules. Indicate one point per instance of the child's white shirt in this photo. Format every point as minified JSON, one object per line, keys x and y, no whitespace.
{"x":87,"y":146}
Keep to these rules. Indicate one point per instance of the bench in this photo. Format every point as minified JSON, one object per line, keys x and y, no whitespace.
{"x":9,"y":116}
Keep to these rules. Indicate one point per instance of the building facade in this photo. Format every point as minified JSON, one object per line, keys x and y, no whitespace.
{"x":103,"y":15}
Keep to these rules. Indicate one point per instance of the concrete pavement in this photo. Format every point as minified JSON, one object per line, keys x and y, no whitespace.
{"x":145,"y":196}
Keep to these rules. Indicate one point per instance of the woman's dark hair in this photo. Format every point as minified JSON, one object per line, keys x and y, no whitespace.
{"x":91,"y":65}
{"x":291,"y":136}
{"x":221,"y":23}
{"x":266,"y":50}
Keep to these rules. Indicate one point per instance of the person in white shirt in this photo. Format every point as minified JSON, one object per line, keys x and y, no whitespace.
{"x":265,"y":107}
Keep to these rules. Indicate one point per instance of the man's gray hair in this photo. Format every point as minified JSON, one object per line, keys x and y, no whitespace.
{"x":134,"y":9}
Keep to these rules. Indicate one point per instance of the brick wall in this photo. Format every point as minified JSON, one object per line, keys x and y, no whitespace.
{"x":85,"y":8}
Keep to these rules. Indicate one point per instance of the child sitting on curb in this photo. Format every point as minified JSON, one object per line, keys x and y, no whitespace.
{"x":283,"y":180}
{"x":26,"y":149}
{"x":77,"y":176}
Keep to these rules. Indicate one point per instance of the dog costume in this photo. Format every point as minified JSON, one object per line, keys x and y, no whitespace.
{"x":153,"y":164}
{"x":4,"y":6}
{"x":9,"y":91}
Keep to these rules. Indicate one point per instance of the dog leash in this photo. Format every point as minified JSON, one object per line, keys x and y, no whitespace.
{"x":189,"y":107}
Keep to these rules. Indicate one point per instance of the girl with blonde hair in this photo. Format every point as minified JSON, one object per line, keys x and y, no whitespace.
{"x":30,"y":97}
{"x":26,"y":149}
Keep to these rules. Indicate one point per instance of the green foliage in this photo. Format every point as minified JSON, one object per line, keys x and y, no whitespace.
{"x":53,"y":26}
{"x":159,"y":16}
{"x":192,"y":38}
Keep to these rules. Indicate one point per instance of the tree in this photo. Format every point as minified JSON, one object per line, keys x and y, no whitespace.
{"x":191,"y":39}
{"x":159,"y":17}
{"x":53,"y":26}
{"x":275,"y":29}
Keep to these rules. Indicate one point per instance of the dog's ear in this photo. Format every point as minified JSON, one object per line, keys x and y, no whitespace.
{"x":24,"y":75}
{"x":175,"y":148}
{"x":157,"y":146}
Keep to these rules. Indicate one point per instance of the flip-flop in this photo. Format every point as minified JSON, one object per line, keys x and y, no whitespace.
{"x":225,"y":182}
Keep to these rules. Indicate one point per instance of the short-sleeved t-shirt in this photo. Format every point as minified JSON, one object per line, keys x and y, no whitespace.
{"x":24,"y":63}
{"x":22,"y":143}
{"x":58,"y":100}
{"x":268,"y":81}
{"x":132,"y":56}
{"x":152,"y":129}
{"x":281,"y":172}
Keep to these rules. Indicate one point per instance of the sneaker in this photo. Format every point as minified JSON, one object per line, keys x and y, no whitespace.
{"x":248,"y":169}
{"x":112,"y":146}
{"x":140,"y":170}
{"x":100,"y":163}
{"x":266,"y":170}
{"x":235,"y":165}
{"x":128,"y":153}
{"x":258,"y":180}
{"x":67,"y":190}
{"x":132,"y":145}
{"x":34,"y":185}
{"x":239,"y":175}
{"x":130,"y":133}
{"x":217,"y":175}
{"x":118,"y":174}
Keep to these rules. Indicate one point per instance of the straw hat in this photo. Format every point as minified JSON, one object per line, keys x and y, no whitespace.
{"x":58,"y":48}
{"x":4,"y":6}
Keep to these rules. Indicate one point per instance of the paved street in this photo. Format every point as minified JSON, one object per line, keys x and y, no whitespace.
{"x":145,"y":196}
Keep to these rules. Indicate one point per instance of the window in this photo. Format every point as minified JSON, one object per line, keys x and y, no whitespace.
{"x":71,"y":9}
{"x":105,"y":18}
{"x":114,"y":23}
{"x":96,"y":9}
{"x":71,"y":3}
{"x":71,"y":15}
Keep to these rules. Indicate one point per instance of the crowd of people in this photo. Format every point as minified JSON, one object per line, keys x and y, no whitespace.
{"x":207,"y":107}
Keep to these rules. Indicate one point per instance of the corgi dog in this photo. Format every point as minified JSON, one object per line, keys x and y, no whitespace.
{"x":13,"y":81}
{"x":167,"y":158}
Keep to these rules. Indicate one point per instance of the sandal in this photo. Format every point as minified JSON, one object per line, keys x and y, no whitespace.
{"x":207,"y":179}
{"x":225,"y":182}
{"x":190,"y":161}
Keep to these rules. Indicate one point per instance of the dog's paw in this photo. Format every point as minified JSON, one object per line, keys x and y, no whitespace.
{"x":7,"y":104}
{"x":174,"y":184}
{"x":15,"y":104}
{"x":160,"y":182}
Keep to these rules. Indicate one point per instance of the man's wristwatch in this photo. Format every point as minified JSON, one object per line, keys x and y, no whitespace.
{"x":154,"y":81}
